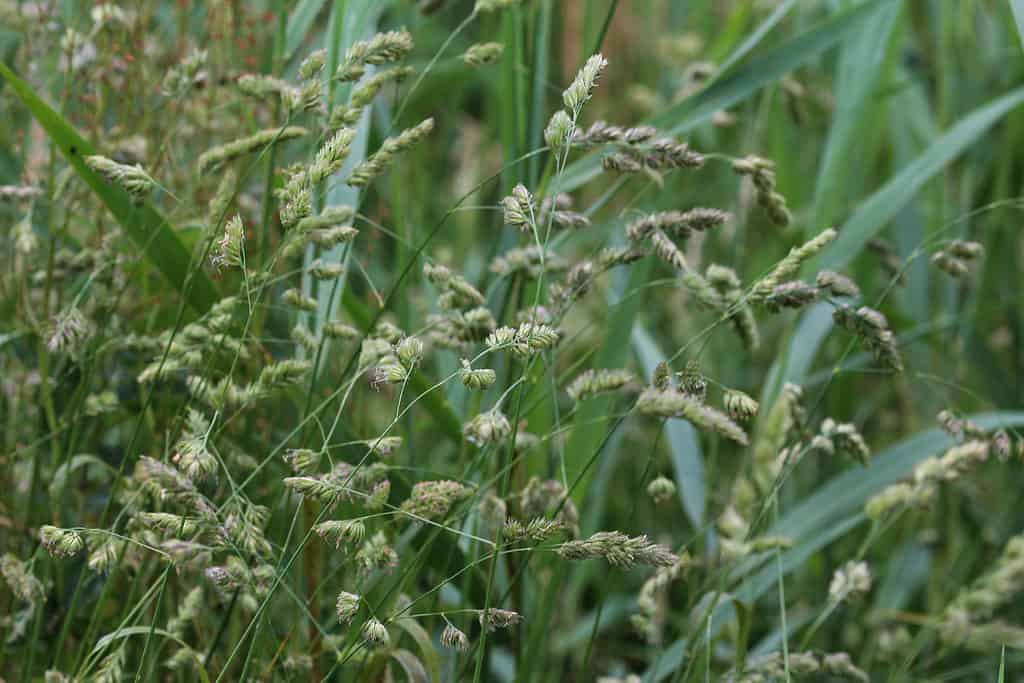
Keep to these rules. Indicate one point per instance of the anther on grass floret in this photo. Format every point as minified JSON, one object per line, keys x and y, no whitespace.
{"x":479,"y":378}
{"x":346,"y":607}
{"x":230,"y":247}
{"x":487,"y":427}
{"x":661,"y":489}
{"x":61,"y":543}
{"x":582,"y":86}
{"x":68,"y":332}
{"x":302,"y":459}
{"x":363,"y":174}
{"x":493,"y":618}
{"x":380,"y":49}
{"x":346,"y":531}
{"x":454,"y":639}
{"x":851,"y":581}
{"x":376,"y":554}
{"x":132,"y":179}
{"x":619,"y":550}
{"x":673,"y":404}
{"x":739,"y":405}
{"x":212,"y":158}
{"x":537,"y":530}
{"x":433,"y":499}
{"x":482,"y":54}
{"x":593,"y":382}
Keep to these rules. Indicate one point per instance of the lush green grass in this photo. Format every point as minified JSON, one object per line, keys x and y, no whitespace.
{"x":166,"y":450}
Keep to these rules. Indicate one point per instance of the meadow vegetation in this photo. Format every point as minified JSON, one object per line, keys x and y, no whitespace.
{"x":511,"y":340}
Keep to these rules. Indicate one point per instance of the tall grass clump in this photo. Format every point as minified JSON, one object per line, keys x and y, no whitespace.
{"x":510,"y":340}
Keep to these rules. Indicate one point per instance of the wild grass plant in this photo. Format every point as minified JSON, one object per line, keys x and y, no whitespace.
{"x":511,"y":340}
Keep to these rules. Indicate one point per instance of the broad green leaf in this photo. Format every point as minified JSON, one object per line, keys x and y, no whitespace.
{"x":144,"y":225}
{"x":858,"y":74}
{"x":755,"y":37}
{"x":742,"y":83}
{"x":682,"y":439}
{"x":415,"y":672}
{"x":872,"y":215}
{"x":428,"y":659}
{"x":1017,"y":7}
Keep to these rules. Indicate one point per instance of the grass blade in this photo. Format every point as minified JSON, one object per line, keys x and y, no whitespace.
{"x":299,"y":23}
{"x":883,"y":205}
{"x":145,"y":225}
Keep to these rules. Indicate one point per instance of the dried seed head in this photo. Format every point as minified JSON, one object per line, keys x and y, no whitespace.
{"x":493,"y":618}
{"x":345,"y":531}
{"x":454,"y":639}
{"x":375,"y":633}
{"x":61,"y":543}
{"x":346,"y":607}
